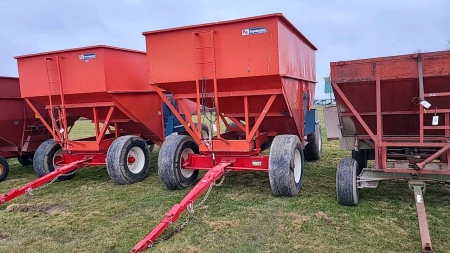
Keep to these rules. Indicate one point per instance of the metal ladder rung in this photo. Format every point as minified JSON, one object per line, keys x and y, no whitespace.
{"x":54,"y":72}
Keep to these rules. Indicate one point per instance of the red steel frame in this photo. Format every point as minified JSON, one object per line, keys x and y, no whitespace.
{"x":228,"y":155}
{"x":69,"y":162}
{"x":246,"y":157}
{"x":91,"y":151}
{"x":380,"y":141}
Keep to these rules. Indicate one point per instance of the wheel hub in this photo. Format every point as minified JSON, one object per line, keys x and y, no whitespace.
{"x":58,"y":159}
{"x":297,"y":166}
{"x":131,"y":159}
{"x":136,"y":160}
{"x":184,"y":156}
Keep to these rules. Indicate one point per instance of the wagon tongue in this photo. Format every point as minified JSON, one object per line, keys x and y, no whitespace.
{"x":208,"y":179}
{"x":419,"y":187}
{"x":16,"y":192}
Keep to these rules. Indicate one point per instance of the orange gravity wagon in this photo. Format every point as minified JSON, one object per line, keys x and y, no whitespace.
{"x":253,"y":83}
{"x":107,"y":85}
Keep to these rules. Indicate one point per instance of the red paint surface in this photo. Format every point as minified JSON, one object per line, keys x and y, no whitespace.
{"x":116,"y":76}
{"x":279,"y":58}
{"x":21,"y":132}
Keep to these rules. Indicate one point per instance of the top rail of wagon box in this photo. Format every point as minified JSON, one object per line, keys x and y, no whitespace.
{"x":380,"y":59}
{"x":79,"y":48}
{"x":391,"y":68}
{"x":206,"y":25}
{"x":8,"y":77}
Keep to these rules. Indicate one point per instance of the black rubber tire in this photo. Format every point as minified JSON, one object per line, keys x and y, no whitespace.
{"x":347,"y":191}
{"x":25,"y":160}
{"x":150,"y":148}
{"x":119,"y":170}
{"x":169,"y":162}
{"x":283,"y":165}
{"x":205,"y":130}
{"x":313,"y":150}
{"x":267,"y":144}
{"x":4,"y":169}
{"x":43,"y":160}
{"x":361,"y":158}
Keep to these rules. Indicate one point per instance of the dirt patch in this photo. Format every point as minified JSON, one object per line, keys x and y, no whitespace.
{"x":323,"y":216}
{"x":236,"y":196}
{"x":293,"y":218}
{"x":190,"y":249}
{"x":3,"y":237}
{"x":49,"y":208}
{"x":215,"y":236}
{"x":222,"y":224}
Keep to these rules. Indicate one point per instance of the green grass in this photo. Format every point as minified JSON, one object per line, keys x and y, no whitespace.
{"x":242,"y":215}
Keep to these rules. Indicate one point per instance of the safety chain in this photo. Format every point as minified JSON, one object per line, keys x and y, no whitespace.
{"x":209,"y":191}
{"x":27,"y":196}
{"x":189,"y":218}
{"x":210,"y":116}
{"x":190,"y":214}
{"x":29,"y":192}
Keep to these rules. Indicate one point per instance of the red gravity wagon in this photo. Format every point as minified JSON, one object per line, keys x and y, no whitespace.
{"x":108,"y":86}
{"x":395,"y":111}
{"x":256,"y":78}
{"x":21,"y":130}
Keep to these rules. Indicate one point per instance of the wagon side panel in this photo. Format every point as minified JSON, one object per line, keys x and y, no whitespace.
{"x":9,"y":87}
{"x":126,"y":71}
{"x":11,"y":124}
{"x":296,"y":58}
{"x":38,"y":74}
{"x":237,"y":54}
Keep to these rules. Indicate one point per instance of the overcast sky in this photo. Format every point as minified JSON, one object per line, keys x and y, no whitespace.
{"x":340,"y":29}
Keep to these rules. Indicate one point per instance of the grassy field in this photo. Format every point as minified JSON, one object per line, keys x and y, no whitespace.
{"x":90,"y":213}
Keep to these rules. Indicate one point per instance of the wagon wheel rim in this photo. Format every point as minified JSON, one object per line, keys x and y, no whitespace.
{"x":297,"y":166}
{"x":319,"y":136}
{"x":2,"y":169}
{"x":355,"y":189}
{"x":184,"y":156}
{"x":57,"y":157}
{"x":136,"y":160}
